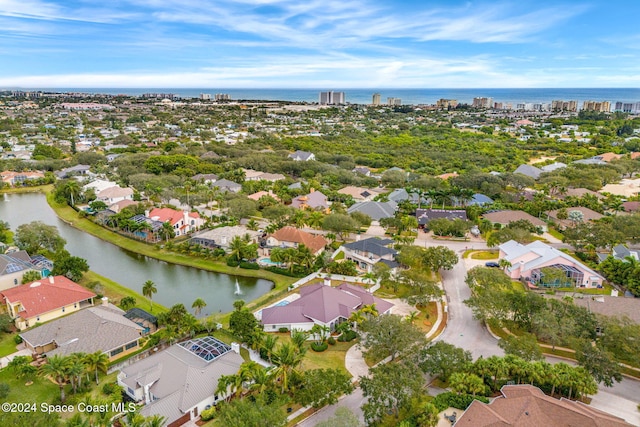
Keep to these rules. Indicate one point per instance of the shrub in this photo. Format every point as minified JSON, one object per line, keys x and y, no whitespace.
{"x":458,"y":401}
{"x":4,"y":390}
{"x":283,"y":330}
{"x":348,"y":336}
{"x":249,"y":265}
{"x":208,"y":414}
{"x":232,"y":262}
{"x":331,"y":341}
{"x":285,"y":272}
{"x":110,"y":388}
{"x":319,"y":347}
{"x":17,"y":339}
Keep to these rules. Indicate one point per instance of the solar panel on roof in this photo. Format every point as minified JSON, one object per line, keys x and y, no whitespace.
{"x":12,"y":268}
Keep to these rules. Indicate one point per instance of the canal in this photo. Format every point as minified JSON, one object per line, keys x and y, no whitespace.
{"x":175,"y":283}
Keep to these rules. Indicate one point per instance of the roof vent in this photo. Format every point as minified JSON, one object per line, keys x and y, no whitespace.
{"x":51,"y":279}
{"x":35,"y":284}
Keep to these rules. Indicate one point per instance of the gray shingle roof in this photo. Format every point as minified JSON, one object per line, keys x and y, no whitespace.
{"x":376,"y":210}
{"x":179,"y":379}
{"x":93,"y":329}
{"x":373,"y":245}
{"x":529,"y":170}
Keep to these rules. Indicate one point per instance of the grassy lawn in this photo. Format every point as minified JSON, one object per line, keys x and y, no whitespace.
{"x":555,"y":233}
{"x":72,"y":217}
{"x":42,"y":390}
{"x":485,"y":255}
{"x":7,"y":344}
{"x":332,"y":358}
{"x":606,"y":290}
{"x":115,"y":292}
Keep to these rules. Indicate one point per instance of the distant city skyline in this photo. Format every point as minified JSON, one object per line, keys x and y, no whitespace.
{"x":319,"y":44}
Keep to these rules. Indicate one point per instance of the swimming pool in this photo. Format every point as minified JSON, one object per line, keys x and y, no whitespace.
{"x":267,"y":261}
{"x":281,"y":303}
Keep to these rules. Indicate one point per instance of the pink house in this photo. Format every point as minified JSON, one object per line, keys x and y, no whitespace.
{"x":183,"y":222}
{"x":528,"y":261}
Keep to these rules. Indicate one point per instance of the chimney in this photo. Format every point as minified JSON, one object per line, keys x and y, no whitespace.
{"x":105,"y":301}
{"x":235,"y":347}
{"x":311,"y":190}
{"x":51,"y":279}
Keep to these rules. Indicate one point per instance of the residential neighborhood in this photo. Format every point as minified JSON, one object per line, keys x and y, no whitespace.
{"x":211,"y":261}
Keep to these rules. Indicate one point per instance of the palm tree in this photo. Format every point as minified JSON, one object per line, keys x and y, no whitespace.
{"x":412,"y":316}
{"x":299,"y":338}
{"x":237,"y":247}
{"x":167,"y":231}
{"x":97,"y":361}
{"x":148,"y":289}
{"x":252,"y":225}
{"x":198,"y":305}
{"x":269,"y":344}
{"x":72,"y":191}
{"x":314,"y":219}
{"x":57,"y":368}
{"x":287,"y":359}
{"x":77,"y":367}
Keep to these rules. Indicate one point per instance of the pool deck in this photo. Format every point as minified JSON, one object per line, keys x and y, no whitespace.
{"x":281,"y":302}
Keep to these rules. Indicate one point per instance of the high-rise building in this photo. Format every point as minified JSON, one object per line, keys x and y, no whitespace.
{"x":205,"y":96}
{"x":627,"y":107}
{"x":222,"y":97}
{"x":558,"y":105}
{"x":446,"y":103}
{"x":394,"y":101}
{"x":375,"y":99}
{"x":601,"y":107}
{"x":332,"y":98}
{"x":482,"y":102}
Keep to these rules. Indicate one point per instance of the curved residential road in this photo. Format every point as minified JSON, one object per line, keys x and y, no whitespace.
{"x":462,"y":329}
{"x":466,"y":332}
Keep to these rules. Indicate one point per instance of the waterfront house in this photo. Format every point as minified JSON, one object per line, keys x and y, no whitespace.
{"x":221,"y":237}
{"x":114,"y":194}
{"x":44,"y":300}
{"x":13,"y":266}
{"x":18,"y":178}
{"x":179,"y":383}
{"x":291,"y":237}
{"x":528,"y":261}
{"x":322,"y":305}
{"x":183,"y":222}
{"x":102,"y":328}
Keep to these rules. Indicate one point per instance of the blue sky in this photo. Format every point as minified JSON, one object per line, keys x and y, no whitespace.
{"x":319,"y":43}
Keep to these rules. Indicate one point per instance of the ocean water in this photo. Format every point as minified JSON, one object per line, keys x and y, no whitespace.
{"x":408,"y":96}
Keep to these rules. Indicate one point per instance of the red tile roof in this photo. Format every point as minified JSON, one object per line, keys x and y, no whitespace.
{"x":528,"y":406}
{"x":46,"y":295}
{"x":294,"y":235}
{"x":169,"y":215}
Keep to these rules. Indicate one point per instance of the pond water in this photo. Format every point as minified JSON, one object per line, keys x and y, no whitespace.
{"x":175,"y":284}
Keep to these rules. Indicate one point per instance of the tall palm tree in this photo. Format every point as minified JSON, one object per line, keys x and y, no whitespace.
{"x":412,"y":316}
{"x":148,"y":289}
{"x":269,"y":344}
{"x":237,"y":247}
{"x":57,"y":368}
{"x":287,"y":359}
{"x":198,"y":305}
{"x":97,"y":361}
{"x":77,"y":367}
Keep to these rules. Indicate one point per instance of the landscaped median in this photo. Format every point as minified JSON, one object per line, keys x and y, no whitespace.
{"x":71,"y":217}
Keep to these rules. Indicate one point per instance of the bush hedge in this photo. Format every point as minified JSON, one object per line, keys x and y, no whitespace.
{"x":285,"y":272}
{"x":110,"y":388}
{"x":458,"y":401}
{"x":249,"y":265}
{"x":331,"y":341}
{"x":348,"y":336}
{"x":232,"y":262}
{"x":208,"y":414}
{"x":319,"y":347}
{"x":283,"y":330}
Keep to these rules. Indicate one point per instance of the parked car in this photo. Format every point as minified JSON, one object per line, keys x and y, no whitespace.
{"x":492,"y":264}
